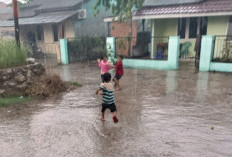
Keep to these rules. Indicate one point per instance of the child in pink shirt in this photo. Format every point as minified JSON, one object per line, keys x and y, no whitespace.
{"x":104,"y":65}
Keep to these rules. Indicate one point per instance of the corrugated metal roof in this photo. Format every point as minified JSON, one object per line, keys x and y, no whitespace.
{"x":47,"y":4}
{"x":6,"y":10}
{"x":208,"y":6}
{"x":148,"y":3}
{"x":40,"y":6}
{"x":44,"y":18}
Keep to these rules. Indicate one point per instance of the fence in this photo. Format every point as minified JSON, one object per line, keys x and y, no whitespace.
{"x":141,"y":47}
{"x":86,"y":48}
{"x":222,"y":49}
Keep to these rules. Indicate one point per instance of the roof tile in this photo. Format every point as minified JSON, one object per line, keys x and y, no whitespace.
{"x":203,"y":7}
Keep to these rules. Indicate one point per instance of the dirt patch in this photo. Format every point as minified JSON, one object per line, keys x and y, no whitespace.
{"x":47,"y":85}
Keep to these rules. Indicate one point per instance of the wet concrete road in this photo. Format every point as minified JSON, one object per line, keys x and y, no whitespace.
{"x":161,"y":113}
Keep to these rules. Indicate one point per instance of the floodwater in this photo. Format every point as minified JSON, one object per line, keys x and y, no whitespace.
{"x":161,"y":113}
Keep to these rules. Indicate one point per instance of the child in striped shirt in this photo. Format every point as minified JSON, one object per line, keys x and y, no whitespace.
{"x":107,"y":96}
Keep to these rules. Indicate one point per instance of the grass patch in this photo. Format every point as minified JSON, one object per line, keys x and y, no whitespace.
{"x":13,"y":100}
{"x":75,"y":84}
{"x":10,"y":54}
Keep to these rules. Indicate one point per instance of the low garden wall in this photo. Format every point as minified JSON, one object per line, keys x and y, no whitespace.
{"x":206,"y":63}
{"x":171,"y":64}
{"x":14,"y":81}
{"x":220,"y":67}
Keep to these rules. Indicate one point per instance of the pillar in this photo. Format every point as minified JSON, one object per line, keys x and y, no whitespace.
{"x":207,"y":47}
{"x":111,"y":50}
{"x":152,"y":38}
{"x":64,"y":51}
{"x":173,"y":52}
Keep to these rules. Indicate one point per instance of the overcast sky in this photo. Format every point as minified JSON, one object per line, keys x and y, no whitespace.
{"x":8,"y":1}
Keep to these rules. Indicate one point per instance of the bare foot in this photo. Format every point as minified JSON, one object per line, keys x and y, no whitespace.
{"x":102,"y":119}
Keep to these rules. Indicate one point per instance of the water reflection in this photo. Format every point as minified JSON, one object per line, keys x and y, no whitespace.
{"x":171,"y":82}
{"x":202,"y":86}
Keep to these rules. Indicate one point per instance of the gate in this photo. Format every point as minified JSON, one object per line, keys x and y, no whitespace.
{"x":198,"y":51}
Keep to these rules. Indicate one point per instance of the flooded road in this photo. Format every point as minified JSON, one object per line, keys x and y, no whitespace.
{"x":161,"y":113}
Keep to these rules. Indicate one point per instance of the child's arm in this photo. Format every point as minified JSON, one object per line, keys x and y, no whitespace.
{"x":99,"y":62}
{"x":110,"y":66}
{"x":98,"y":91}
{"x":115,"y":65}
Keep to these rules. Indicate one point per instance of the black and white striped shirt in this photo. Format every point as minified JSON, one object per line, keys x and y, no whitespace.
{"x":107,"y":93}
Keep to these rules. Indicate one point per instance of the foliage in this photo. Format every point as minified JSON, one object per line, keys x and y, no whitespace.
{"x":10,"y":54}
{"x":75,"y":84}
{"x":13,"y":100}
{"x":120,"y":8}
{"x":86,"y":48}
{"x":27,"y":1}
{"x":110,"y":54}
{"x":121,"y":42}
{"x":226,"y":53}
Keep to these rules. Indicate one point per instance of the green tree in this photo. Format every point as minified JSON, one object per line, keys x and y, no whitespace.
{"x":120,"y":8}
{"x":27,"y":1}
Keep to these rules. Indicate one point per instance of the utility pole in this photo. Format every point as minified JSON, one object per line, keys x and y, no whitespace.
{"x":16,"y":22}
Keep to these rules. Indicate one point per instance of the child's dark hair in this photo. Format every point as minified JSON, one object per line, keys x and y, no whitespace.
{"x":121,"y":57}
{"x":104,"y":56}
{"x":106,"y":77}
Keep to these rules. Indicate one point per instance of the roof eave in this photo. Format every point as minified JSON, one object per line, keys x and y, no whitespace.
{"x":182,"y":15}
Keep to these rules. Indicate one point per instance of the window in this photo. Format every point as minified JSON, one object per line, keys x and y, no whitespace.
{"x":193,"y":23}
{"x":194,"y":27}
{"x":229,"y":32}
{"x":55,"y":32}
{"x":204,"y":23}
{"x":40,"y":33}
{"x":182,"y":28}
{"x":63,"y":30}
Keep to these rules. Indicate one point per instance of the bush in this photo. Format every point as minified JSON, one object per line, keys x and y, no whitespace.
{"x":10,"y":54}
{"x":86,"y":48}
{"x":222,"y":60}
{"x":46,"y":85}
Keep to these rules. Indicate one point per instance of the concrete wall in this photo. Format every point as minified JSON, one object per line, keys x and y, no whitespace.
{"x":91,"y":26}
{"x":168,"y":27}
{"x":69,"y":29}
{"x":218,"y":26}
{"x":206,"y":63}
{"x":121,"y":30}
{"x":171,"y":64}
{"x":48,"y":45}
{"x":163,"y":27}
{"x":221,"y":67}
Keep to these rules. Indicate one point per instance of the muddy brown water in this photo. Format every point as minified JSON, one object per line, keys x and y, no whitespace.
{"x":161,"y":113}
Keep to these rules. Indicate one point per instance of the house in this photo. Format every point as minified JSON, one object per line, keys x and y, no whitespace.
{"x":44,"y":22}
{"x":5,"y":13}
{"x":185,"y":18}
